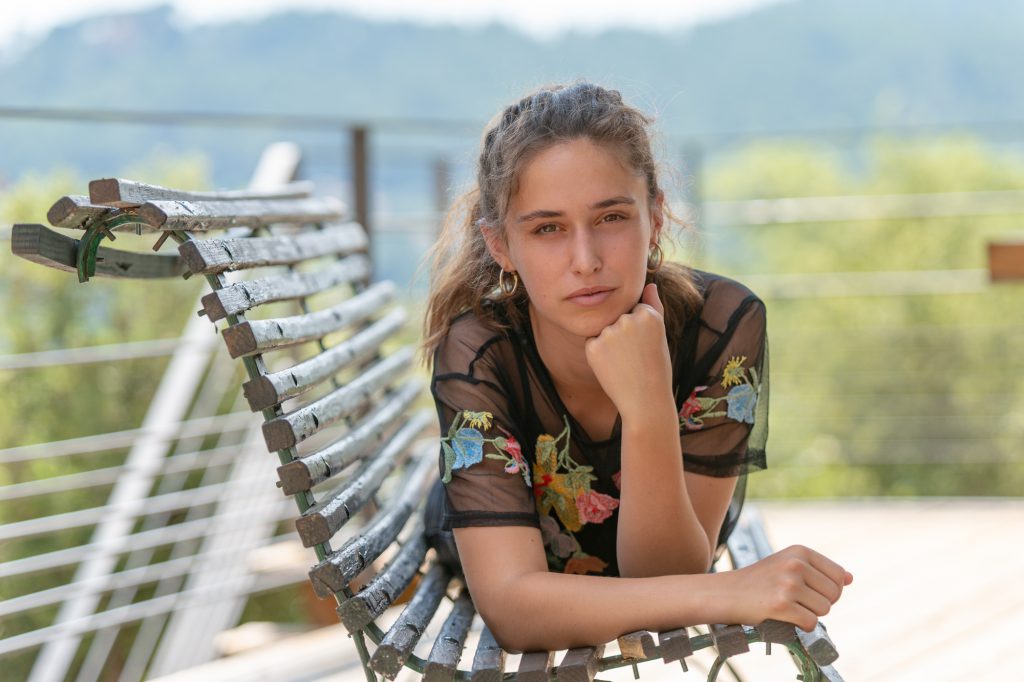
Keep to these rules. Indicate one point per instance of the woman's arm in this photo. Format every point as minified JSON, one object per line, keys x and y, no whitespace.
{"x":668,"y":520}
{"x":659,"y":529}
{"x":529,"y":609}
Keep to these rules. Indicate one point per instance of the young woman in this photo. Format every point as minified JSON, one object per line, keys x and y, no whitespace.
{"x":599,"y":407}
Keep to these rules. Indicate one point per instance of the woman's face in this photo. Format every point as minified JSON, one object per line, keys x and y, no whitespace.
{"x":578,"y":231}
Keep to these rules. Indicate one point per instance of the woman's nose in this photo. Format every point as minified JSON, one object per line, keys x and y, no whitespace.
{"x":586,"y":258}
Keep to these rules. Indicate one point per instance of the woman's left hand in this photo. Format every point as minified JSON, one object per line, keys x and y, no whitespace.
{"x":630,"y":358}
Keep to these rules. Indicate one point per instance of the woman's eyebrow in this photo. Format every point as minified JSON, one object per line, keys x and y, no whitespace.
{"x":545,"y":213}
{"x":541,"y":213}
{"x":614,"y":201}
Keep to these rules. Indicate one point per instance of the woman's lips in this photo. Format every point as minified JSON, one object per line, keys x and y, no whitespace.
{"x":590,"y":296}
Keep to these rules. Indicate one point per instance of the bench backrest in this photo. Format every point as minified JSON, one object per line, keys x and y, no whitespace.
{"x":291,"y":290}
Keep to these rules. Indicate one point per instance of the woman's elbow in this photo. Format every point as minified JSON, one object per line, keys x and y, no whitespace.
{"x":517,"y":633}
{"x":509,"y":635}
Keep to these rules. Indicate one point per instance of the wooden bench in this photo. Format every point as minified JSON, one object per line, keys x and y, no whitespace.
{"x":341,"y":413}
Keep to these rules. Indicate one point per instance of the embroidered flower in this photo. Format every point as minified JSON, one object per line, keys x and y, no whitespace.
{"x":617,"y":479}
{"x":734,"y":374}
{"x":561,"y":544}
{"x":692,"y":406}
{"x":546,"y":452}
{"x":582,"y":564}
{"x":511,"y":446}
{"x":469,"y":448}
{"x":540,"y":484}
{"x":741,"y":399}
{"x":478,"y":420}
{"x":562,"y":498}
{"x":595,"y":507}
{"x":463,"y":446}
{"x":742,"y":402}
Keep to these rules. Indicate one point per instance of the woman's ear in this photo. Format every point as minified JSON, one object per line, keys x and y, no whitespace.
{"x":498,"y":248}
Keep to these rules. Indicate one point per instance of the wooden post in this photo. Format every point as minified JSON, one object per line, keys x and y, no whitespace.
{"x":360,"y":174}
{"x":1006,"y":260}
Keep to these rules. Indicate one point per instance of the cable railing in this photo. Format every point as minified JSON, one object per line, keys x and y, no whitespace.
{"x":181,"y":463}
{"x":132,"y":577}
{"x":82,"y":445}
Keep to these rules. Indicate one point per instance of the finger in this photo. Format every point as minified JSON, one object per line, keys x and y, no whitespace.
{"x":814,"y":602}
{"x":650,"y":297}
{"x":823,"y":584}
{"x":802,"y":617}
{"x":834,"y":571}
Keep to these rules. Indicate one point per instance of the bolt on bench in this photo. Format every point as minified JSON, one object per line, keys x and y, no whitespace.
{"x":343,"y":422}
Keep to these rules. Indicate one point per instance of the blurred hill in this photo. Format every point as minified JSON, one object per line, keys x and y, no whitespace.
{"x":796,"y":65}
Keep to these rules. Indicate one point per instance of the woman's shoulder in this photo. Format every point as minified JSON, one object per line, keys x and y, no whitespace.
{"x":724,"y":297}
{"x":470,"y":337}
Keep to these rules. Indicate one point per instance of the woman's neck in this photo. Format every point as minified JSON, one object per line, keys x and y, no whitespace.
{"x":564,"y":355}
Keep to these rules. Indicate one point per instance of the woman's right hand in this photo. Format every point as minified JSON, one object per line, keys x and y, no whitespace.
{"x":796,"y":585}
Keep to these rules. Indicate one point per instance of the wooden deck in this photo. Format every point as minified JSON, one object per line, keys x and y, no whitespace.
{"x":937,"y":596}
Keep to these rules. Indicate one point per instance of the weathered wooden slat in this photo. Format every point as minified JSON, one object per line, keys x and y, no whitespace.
{"x":334,"y":573}
{"x":818,"y":645}
{"x":637,"y":645}
{"x":294,"y":427}
{"x":776,"y":632}
{"x":535,"y":666}
{"x":580,"y":665}
{"x":729,"y":639}
{"x":830,"y":674}
{"x":303,"y":474}
{"x":489,"y":660}
{"x":401,"y":637}
{"x":273,"y":389}
{"x":386,"y":586}
{"x":71,"y":211}
{"x":675,"y":645}
{"x":242,"y":296}
{"x":257,"y":336}
{"x":321,"y":521}
{"x":42,"y":245}
{"x":198,"y":216}
{"x":443,"y":661}
{"x":211,"y":256}
{"x":128,"y":193}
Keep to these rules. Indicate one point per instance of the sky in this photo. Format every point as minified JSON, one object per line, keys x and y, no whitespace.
{"x":544,"y":18}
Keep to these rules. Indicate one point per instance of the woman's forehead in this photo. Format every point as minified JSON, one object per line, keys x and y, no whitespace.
{"x":576,"y":172}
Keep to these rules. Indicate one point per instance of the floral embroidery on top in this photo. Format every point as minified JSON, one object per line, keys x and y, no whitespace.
{"x":741,"y":399}
{"x":464,"y":446}
{"x":562,"y":485}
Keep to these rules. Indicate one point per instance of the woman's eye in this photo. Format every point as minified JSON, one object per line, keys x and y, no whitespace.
{"x":546,"y":229}
{"x":612,"y":217}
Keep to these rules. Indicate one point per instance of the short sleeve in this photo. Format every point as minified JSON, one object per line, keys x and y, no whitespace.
{"x":486,"y":475}
{"x":723,"y":423}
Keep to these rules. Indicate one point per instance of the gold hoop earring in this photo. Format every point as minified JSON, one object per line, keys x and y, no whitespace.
{"x":503,"y":283}
{"x":655,"y":258}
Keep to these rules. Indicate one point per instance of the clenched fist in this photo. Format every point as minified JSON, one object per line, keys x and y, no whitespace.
{"x":631,"y":360}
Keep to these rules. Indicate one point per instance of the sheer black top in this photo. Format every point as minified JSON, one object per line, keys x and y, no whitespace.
{"x":512,"y":454}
